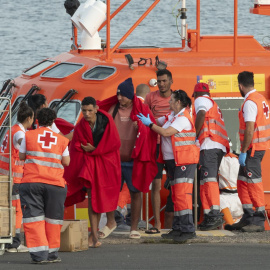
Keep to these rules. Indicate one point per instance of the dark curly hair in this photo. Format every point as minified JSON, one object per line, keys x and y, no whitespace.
{"x":46,"y":116}
{"x":89,"y":101}
{"x":35,"y":102}
{"x":24,"y":112}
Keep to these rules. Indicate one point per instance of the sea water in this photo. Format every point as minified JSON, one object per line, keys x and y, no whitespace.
{"x":32,"y":30}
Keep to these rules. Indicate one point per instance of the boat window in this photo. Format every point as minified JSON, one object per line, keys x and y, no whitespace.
{"x":62,"y":70}
{"x":37,"y":68}
{"x":69,"y":111}
{"x":99,"y":73}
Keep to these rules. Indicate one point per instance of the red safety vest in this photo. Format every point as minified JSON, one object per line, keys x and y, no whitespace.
{"x":17,"y":164}
{"x":185,"y":150}
{"x":213,"y":126}
{"x":44,"y":149}
{"x":261,"y":136}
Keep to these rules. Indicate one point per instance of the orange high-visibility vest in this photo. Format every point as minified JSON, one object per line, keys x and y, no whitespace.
{"x":44,"y":149}
{"x":17,"y":164}
{"x":213,"y":126}
{"x":261,"y":136}
{"x":185,"y":150}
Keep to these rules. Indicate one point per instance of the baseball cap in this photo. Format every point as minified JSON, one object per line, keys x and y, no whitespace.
{"x":201,"y":87}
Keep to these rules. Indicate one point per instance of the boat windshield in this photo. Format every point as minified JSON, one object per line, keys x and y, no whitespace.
{"x":61,"y":70}
{"x":38,"y":67}
{"x":69,"y":111}
{"x":99,"y":73}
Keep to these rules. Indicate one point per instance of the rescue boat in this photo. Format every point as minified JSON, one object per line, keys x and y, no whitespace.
{"x":93,"y":68}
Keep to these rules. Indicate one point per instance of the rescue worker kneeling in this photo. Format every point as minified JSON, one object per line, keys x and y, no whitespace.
{"x":42,"y":189}
{"x":181,"y":156}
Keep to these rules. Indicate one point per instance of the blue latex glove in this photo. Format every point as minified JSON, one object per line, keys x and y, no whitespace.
{"x":242,"y":159}
{"x":145,"y":120}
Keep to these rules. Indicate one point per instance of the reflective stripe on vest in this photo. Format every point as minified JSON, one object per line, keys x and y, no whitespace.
{"x":43,"y":154}
{"x":44,"y":163}
{"x":185,"y":150}
{"x":261,"y":136}
{"x":4,"y":159}
{"x":14,"y":174}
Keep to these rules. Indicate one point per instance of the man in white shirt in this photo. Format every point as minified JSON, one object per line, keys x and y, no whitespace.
{"x":254,"y":133}
{"x":213,"y":139}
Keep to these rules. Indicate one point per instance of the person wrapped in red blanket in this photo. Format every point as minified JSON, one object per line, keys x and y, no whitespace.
{"x":137,"y":152}
{"x":95,"y":164}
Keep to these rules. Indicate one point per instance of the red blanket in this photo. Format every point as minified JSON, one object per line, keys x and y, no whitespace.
{"x":64,"y":126}
{"x":144,"y":153}
{"x":101,"y":168}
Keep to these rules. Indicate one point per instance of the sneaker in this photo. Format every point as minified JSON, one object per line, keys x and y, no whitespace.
{"x":203,"y":223}
{"x":11,"y":250}
{"x":237,"y":226}
{"x":170,"y":234}
{"x":56,"y":260}
{"x":212,"y":223}
{"x":253,"y":228}
{"x":184,"y":236}
{"x":39,"y":262}
{"x":20,"y":248}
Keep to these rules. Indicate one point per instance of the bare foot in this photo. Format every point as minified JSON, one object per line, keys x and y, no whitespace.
{"x":98,"y":244}
{"x":93,"y":242}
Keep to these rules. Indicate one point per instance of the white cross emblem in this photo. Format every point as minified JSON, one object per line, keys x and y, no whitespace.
{"x":47,"y":139}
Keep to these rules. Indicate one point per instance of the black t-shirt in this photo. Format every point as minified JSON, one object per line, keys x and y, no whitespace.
{"x":101,"y":124}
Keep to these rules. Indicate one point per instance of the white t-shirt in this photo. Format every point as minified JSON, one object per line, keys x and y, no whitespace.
{"x":18,"y":135}
{"x":23,"y":147}
{"x":205,"y":104}
{"x":55,"y":128}
{"x":179,"y":123}
{"x":250,"y":109}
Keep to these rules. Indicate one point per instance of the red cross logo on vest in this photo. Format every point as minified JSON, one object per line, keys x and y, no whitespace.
{"x":221,"y":116}
{"x":265,"y":110}
{"x":47,"y":139}
{"x":4,"y":144}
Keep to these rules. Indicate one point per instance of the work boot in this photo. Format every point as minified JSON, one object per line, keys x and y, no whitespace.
{"x":212,"y":223}
{"x":203,"y":223}
{"x":55,"y":260}
{"x":237,"y":226}
{"x":253,"y":228}
{"x":184,"y":236}
{"x":170,"y":234}
{"x":39,"y":262}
